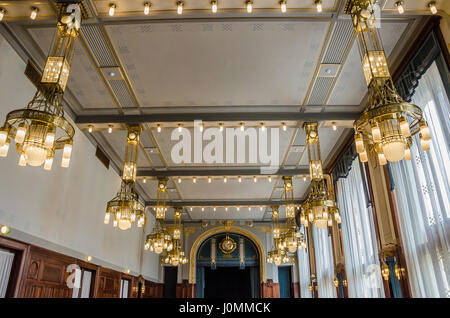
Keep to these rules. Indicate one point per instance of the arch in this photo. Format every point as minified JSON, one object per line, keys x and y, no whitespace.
{"x":233,"y":229}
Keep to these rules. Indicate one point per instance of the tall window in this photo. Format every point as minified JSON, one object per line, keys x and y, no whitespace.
{"x":324,"y":263}
{"x":421,"y":187}
{"x":86,"y":284}
{"x":124,"y":287}
{"x":304,"y":274}
{"x":358,"y":234}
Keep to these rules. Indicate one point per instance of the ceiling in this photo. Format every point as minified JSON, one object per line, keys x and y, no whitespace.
{"x":229,"y":67}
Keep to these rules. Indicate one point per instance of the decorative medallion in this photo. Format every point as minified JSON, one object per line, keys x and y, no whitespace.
{"x":227,"y":245}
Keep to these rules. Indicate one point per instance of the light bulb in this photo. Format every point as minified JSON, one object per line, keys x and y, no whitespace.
{"x":146,"y":8}
{"x":107,"y":217}
{"x":432,"y":6}
{"x":238,"y":208}
{"x":425,"y":144}
{"x":376,"y":134}
{"x":284,"y":126}
{"x":424,"y":131}
{"x":48,"y":164}
{"x":209,"y":180}
{"x":359,"y":143}
{"x":263,"y":127}
{"x":180,"y":7}
{"x":194,"y":179}
{"x":20,"y":134}
{"x":112,"y":9}
{"x":49,"y":140}
{"x":214,"y":6}
{"x":158,"y":128}
{"x":180,"y":127}
{"x":22,"y":161}
{"x":318,"y":5}
{"x":270,"y":179}
{"x":304,"y":178}
{"x":90,"y":128}
{"x":2,"y":14}
{"x":404,"y":127}
{"x":242,"y":126}
{"x":226,"y":208}
{"x":400,"y":7}
{"x":334,"y":126}
{"x":363,"y":156}
{"x":179,"y":180}
{"x":394,"y":150}
{"x":201,"y":128}
{"x":65,"y":162}
{"x":224,"y":179}
{"x":382,"y":159}
{"x":283,"y":6}
{"x":115,"y":223}
{"x":407,"y":155}
{"x":34,"y":12}
{"x":4,"y":229}
{"x":203,"y":209}
{"x":254,"y":179}
{"x":89,"y":258}
{"x":221,"y":127}
{"x":4,"y":149}
{"x":249,"y":6}
{"x":110,"y":129}
{"x":3,"y":137}
{"x":239,"y":179}
{"x":145,"y":180}
{"x":260,"y":208}
{"x":67,"y":152}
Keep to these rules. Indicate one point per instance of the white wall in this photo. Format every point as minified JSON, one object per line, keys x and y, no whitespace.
{"x":62,"y":209}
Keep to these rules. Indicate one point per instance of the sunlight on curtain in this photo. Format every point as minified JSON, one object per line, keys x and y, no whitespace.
{"x":303,"y":264}
{"x":422,"y":191}
{"x":358,"y":234}
{"x":324,"y":263}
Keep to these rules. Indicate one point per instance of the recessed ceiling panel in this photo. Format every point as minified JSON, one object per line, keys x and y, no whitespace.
{"x":218,"y":63}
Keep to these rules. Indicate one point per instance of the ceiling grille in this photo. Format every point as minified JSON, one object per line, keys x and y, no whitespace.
{"x":98,"y":45}
{"x":320,"y":90}
{"x":122,"y":93}
{"x":341,"y":36}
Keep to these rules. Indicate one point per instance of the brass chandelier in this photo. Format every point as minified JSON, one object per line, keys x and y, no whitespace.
{"x":278,"y":254}
{"x":388,"y":122}
{"x":176,"y":256}
{"x":159,"y":239}
{"x":40,"y":129}
{"x":320,"y":206}
{"x":125,"y":207}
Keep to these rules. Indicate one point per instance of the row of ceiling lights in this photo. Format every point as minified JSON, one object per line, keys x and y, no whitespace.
{"x":214,"y":6}
{"x":238,"y":208}
{"x":201,"y":127}
{"x":225,"y":179}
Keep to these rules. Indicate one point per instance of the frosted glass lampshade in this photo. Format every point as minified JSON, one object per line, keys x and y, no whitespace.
{"x":35,"y":155}
{"x":321,"y":223}
{"x":394,"y":151}
{"x":124,"y":224}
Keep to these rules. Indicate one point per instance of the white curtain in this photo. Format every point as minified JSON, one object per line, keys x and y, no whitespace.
{"x":358,"y":234}
{"x":422,"y":191}
{"x":6,"y":260}
{"x":304,"y":274}
{"x":324,"y":263}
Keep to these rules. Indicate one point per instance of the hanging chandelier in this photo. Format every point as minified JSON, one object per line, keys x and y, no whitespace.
{"x":388,"y":122}
{"x":320,"y":205}
{"x":159,"y":239}
{"x":40,"y":129}
{"x":126,"y":207}
{"x":292,"y":239}
{"x":176,"y":256}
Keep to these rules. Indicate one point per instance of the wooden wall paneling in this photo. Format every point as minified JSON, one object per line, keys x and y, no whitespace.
{"x":296,"y":290}
{"x":185,"y":290}
{"x":21,"y":252}
{"x":109,"y":283}
{"x":270,"y":289}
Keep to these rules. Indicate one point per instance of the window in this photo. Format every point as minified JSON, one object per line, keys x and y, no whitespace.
{"x":421,"y":188}
{"x":86,"y":285}
{"x":358,"y":235}
{"x":6,"y":262}
{"x":304,"y":274}
{"x":124,"y":286}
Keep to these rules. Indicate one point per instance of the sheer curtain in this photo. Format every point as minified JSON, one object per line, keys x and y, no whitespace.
{"x":422,"y":190}
{"x":358,"y":234}
{"x":324,"y":263}
{"x":6,"y":260}
{"x":303,"y":265}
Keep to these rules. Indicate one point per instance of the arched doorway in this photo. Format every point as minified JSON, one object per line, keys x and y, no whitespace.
{"x":227,"y":264}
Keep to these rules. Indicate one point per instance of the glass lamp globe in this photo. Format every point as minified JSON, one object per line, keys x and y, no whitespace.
{"x":394,"y":150}
{"x":124,"y":224}
{"x":321,"y":223}
{"x":158,"y":249}
{"x":277,"y":260}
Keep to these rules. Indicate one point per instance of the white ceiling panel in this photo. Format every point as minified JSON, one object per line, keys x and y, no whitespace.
{"x":217,"y":63}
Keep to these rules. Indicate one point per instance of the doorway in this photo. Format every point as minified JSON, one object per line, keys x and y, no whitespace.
{"x":228,"y":282}
{"x":170,"y":281}
{"x":285,"y":280}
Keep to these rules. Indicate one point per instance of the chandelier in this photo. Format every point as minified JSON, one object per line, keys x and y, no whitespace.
{"x":292,"y":239}
{"x":388,"y":122}
{"x":40,"y":129}
{"x":126,"y":207}
{"x":320,"y":206}
{"x":176,"y":257}
{"x":159,"y":239}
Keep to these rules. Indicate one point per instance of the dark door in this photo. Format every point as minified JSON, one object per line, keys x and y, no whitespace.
{"x":284,"y":278}
{"x":170,"y":281}
{"x":227,"y":282}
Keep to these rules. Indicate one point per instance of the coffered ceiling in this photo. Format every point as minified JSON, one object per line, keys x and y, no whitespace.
{"x":229,"y":67}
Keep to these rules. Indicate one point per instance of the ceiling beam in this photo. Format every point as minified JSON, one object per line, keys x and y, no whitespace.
{"x":221,"y":172}
{"x":222,"y":203}
{"x":213,"y":115}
